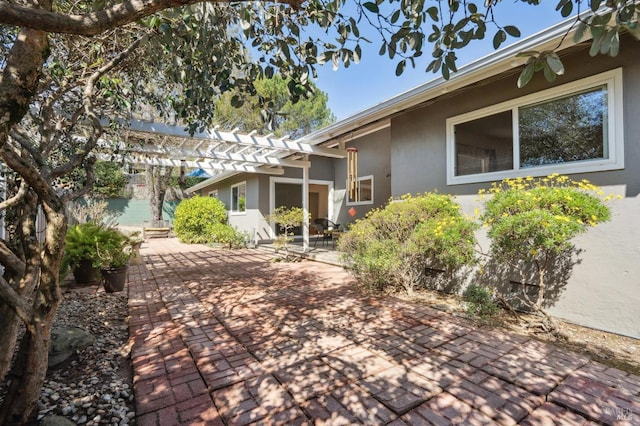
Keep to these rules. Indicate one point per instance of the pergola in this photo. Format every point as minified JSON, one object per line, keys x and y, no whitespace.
{"x":217,"y":152}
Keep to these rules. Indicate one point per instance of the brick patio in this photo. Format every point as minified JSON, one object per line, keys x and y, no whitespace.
{"x":230,"y":337}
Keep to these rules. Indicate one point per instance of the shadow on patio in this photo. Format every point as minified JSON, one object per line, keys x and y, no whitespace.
{"x":230,"y":337}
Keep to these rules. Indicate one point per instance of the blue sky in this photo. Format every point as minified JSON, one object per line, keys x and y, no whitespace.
{"x":373,"y":80}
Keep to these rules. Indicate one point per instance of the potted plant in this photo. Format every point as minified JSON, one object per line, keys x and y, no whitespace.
{"x":80,"y":253}
{"x":113,"y":251}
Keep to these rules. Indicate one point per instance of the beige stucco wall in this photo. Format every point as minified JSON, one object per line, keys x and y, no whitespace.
{"x":604,"y":289}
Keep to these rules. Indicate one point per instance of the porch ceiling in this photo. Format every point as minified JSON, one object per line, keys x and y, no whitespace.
{"x":215,"y":151}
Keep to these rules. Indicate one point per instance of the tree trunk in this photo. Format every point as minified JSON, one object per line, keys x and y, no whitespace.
{"x":157,"y":183}
{"x":23,"y":285}
{"x":30,"y":369}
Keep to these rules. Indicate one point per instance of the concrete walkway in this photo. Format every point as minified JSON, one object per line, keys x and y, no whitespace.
{"x":229,"y":337}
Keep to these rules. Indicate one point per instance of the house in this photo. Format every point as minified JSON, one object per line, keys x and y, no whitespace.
{"x":456,"y":136}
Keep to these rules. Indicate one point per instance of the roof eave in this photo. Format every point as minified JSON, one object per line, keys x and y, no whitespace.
{"x":211,"y":181}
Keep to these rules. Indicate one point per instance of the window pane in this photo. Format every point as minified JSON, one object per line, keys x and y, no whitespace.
{"x":564,"y":130}
{"x":234,"y":198}
{"x":484,"y":145}
{"x":238,"y":198}
{"x":366,"y":190}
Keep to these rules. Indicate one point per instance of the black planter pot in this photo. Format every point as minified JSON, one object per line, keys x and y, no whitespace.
{"x":113,"y":279}
{"x":85,"y":273}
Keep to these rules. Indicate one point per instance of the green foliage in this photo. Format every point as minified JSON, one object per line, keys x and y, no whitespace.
{"x":104,"y":247}
{"x":532,"y":221}
{"x":196,"y":219}
{"x":113,"y":249}
{"x":529,"y":219}
{"x":480,"y":302}
{"x":80,"y":243}
{"x":392,"y":246}
{"x":109,"y":180}
{"x":270,"y":110}
{"x":286,"y":218}
{"x":228,"y":235}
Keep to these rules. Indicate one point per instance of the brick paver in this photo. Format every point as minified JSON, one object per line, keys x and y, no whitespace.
{"x":230,"y":337}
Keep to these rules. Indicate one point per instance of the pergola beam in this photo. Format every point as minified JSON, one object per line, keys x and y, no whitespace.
{"x":223,"y":156}
{"x":205,"y":165}
{"x":237,"y":138}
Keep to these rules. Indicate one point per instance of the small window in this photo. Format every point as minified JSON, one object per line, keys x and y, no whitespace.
{"x":363,"y":192}
{"x":214,"y":193}
{"x":239,"y":197}
{"x":572,"y":128}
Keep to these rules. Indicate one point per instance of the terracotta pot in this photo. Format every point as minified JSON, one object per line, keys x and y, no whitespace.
{"x":85,"y":273}
{"x":113,"y":279}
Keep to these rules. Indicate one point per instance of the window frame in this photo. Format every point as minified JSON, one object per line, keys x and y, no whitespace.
{"x":615,"y":132}
{"x":214,"y":194}
{"x":232,"y":210}
{"x":361,"y":203}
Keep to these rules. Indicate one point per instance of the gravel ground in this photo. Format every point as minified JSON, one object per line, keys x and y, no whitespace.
{"x":94,"y":386}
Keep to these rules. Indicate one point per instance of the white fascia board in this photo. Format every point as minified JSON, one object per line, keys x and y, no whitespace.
{"x":495,"y":63}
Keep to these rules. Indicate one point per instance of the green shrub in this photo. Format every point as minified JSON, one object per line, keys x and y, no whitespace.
{"x":480,"y":302}
{"x":228,"y":235}
{"x":103,"y":246}
{"x":532,"y":221}
{"x":393,"y":246}
{"x":80,"y":244}
{"x":196,"y":219}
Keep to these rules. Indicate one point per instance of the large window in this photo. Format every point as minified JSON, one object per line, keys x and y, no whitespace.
{"x":363,"y":193}
{"x":569,"y":129}
{"x":239,"y":197}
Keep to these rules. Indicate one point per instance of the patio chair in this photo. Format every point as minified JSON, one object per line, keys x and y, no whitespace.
{"x":324,"y":227}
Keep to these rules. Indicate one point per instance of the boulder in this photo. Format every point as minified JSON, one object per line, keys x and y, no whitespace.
{"x":66,"y":341}
{"x":56,"y":421}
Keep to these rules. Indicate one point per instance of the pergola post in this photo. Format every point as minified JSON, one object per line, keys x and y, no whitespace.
{"x":305,"y":209}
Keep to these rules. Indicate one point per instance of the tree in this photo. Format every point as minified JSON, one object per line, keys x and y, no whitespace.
{"x":157,"y":183}
{"x":271,"y":110}
{"x":174,"y":57}
{"x":109,"y":180}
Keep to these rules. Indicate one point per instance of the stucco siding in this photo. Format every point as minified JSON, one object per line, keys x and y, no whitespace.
{"x":604,"y":288}
{"x":373,"y":160}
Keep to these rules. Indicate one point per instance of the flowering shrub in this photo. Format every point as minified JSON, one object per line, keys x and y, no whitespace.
{"x":531,"y":220}
{"x":197,"y":219}
{"x":393,"y":246}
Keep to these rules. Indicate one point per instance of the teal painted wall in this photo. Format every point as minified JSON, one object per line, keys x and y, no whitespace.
{"x":134,"y":212}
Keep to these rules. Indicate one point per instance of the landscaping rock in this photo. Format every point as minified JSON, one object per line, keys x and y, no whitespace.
{"x":66,"y":341}
{"x":56,"y":421}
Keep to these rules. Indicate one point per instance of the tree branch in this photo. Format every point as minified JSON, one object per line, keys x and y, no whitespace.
{"x":87,"y":186}
{"x":10,"y":261}
{"x":19,"y":135}
{"x":95,"y":22}
{"x":30,"y":174}
{"x":15,"y":302}
{"x":22,"y":191}
{"x":77,"y":159}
